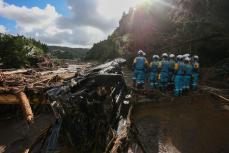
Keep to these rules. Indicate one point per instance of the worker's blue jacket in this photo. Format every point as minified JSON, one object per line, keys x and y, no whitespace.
{"x":187,"y":76}
{"x":165,"y":65}
{"x":154,"y":66}
{"x":179,"y":80}
{"x":179,"y":68}
{"x":195,"y":75}
{"x":140,"y":68}
{"x":154,"y":70}
{"x":195,"y":67}
{"x":188,"y":70}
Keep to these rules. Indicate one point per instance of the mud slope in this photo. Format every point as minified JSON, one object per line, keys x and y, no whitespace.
{"x":189,"y":124}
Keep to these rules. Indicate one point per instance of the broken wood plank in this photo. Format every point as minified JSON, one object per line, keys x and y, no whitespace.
{"x":219,"y":96}
{"x":10,"y":99}
{"x":123,"y":131}
{"x":14,"y":72}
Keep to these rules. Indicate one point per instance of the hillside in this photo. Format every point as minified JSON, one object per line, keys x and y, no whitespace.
{"x":178,"y":26}
{"x":19,"y":51}
{"x":67,"y":52}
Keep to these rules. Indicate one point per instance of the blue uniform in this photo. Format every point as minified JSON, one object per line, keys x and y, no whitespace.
{"x":195,"y":75}
{"x":171,"y":71}
{"x":187,"y":76}
{"x":179,"y":68}
{"x":140,"y":65}
{"x":154,"y":74}
{"x":164,"y":73}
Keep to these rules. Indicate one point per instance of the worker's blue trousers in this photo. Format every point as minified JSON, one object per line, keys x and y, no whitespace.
{"x":187,"y":82}
{"x":178,"y":81}
{"x":153,"y":80}
{"x":164,"y":78}
{"x":139,"y":76}
{"x":195,"y":79}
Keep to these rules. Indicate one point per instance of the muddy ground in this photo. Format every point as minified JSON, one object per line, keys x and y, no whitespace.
{"x":190,"y":124}
{"x":16,"y":136}
{"x":194,"y":123}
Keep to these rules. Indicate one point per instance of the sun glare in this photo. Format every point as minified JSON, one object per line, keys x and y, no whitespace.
{"x":139,"y":2}
{"x":150,"y":2}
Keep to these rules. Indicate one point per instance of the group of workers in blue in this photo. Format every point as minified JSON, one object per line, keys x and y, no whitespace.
{"x":180,"y":72}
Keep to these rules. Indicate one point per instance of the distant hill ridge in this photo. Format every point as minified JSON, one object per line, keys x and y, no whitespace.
{"x":67,"y":52}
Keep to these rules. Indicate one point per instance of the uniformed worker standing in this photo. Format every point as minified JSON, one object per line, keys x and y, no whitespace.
{"x":140,"y":66}
{"x":195,"y":72}
{"x":179,"y":72}
{"x":187,"y":73}
{"x":171,"y":69}
{"x":164,"y":72}
{"x":153,"y":69}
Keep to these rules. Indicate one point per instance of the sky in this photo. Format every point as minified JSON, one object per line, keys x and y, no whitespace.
{"x":72,"y":23}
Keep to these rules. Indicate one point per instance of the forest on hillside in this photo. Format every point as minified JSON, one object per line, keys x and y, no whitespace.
{"x":18,"y":51}
{"x":177,"y":26}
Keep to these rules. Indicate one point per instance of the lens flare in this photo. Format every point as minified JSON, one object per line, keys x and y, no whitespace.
{"x":154,"y":2}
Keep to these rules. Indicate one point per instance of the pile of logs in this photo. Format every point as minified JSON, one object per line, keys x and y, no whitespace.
{"x":28,"y":86}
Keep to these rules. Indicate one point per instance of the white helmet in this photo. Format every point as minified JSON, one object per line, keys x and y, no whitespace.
{"x":187,"y":59}
{"x":164,"y":55}
{"x":155,"y":57}
{"x":143,"y":53}
{"x":179,"y":57}
{"x":196,"y":57}
{"x":171,"y":56}
{"x":140,"y":52}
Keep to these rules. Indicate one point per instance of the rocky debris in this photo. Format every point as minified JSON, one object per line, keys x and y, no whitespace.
{"x":42,"y":62}
{"x":90,"y":107}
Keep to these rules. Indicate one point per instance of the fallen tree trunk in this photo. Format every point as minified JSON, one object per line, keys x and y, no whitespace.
{"x":26,"y":106}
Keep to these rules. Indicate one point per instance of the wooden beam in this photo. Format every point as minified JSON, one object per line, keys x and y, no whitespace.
{"x":10,"y":99}
{"x":14,"y":72}
{"x":219,"y":96}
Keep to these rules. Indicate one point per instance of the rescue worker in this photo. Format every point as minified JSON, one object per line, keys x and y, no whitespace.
{"x":146,"y":73}
{"x":153,"y":69}
{"x":140,"y":66}
{"x":171,"y":68}
{"x":188,"y":73}
{"x":179,"y":72}
{"x":195,"y":72}
{"x":164,"y":72}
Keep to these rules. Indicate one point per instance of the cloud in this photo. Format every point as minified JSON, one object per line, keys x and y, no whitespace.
{"x":79,"y":37}
{"x":3,"y":29}
{"x":28,"y":19}
{"x":89,"y":21}
{"x":85,"y":13}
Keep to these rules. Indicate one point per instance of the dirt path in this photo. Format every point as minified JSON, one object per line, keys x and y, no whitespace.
{"x":194,"y":123}
{"x":189,"y":124}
